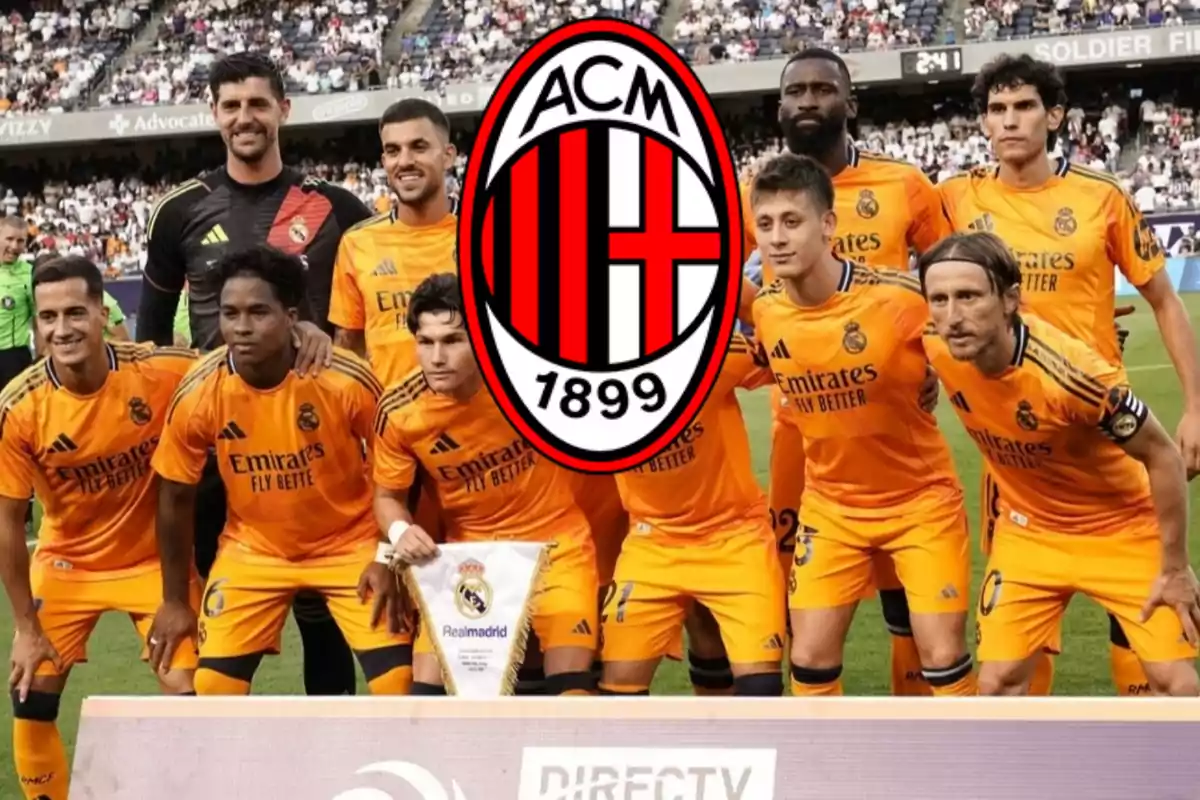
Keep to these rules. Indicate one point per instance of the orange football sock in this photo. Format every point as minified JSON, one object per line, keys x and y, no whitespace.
{"x":907,"y":678}
{"x":396,"y":681}
{"x":1043,"y":675}
{"x":211,"y":682}
{"x":41,"y":759}
{"x":810,"y":682}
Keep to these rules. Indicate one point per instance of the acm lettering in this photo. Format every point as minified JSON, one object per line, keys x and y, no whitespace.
{"x":828,"y":392}
{"x":394,"y":302}
{"x":109,"y":472}
{"x":640,"y":95}
{"x":278,"y":472}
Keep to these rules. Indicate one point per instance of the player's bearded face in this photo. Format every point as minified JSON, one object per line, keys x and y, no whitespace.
{"x":249,"y":116}
{"x":793,"y":235}
{"x":416,"y":157}
{"x":444,"y":352}
{"x":254,"y":323}
{"x":969,"y":314}
{"x":71,"y":323}
{"x":814,"y":105}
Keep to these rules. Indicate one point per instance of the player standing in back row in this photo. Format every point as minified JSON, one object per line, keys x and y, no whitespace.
{"x":884,"y":208}
{"x":1068,"y":226}
{"x":253,"y":199}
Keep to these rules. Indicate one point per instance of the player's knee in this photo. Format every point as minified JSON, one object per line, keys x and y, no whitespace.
{"x":762,"y":684}
{"x":568,"y":683}
{"x":37,"y":706}
{"x":896,"y":616}
{"x":423,"y":689}
{"x":531,"y":681}
{"x":816,"y":676}
{"x":710,"y":673}
{"x":957,"y":669}
{"x":1116,"y":634}
{"x":1004,"y":679}
{"x":1173,"y":679}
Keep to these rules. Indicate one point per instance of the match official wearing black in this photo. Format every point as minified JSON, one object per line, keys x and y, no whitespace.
{"x":253,"y":199}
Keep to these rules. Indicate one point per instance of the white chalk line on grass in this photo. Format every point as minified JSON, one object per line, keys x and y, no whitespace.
{"x":1148,"y":367}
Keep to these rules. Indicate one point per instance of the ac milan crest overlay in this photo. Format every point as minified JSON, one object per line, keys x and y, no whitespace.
{"x":600,"y":245}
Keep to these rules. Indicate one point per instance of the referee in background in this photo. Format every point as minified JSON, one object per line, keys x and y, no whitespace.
{"x":16,"y":300}
{"x":253,"y":199}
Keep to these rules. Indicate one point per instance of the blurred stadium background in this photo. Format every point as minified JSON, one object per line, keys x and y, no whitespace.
{"x":102,"y":111}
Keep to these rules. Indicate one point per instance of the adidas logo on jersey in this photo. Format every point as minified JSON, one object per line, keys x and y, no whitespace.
{"x":983,"y":223}
{"x":63,"y":444}
{"x":231,"y":431}
{"x":387,"y":267}
{"x":444,"y":444}
{"x":773,"y":642}
{"x":780,"y":350}
{"x":215,"y":235}
{"x":582,"y":628}
{"x":958,"y":400}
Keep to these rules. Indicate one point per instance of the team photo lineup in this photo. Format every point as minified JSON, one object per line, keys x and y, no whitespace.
{"x":298,"y":415}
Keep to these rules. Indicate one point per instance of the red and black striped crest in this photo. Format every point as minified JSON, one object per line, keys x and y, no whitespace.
{"x":600,"y":245}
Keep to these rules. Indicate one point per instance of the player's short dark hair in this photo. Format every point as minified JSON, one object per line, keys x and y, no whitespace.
{"x":436,"y":294}
{"x":411,"y":108}
{"x":824,"y":55}
{"x":789,"y":172}
{"x":1008,"y":72}
{"x":45,"y":258}
{"x":65,"y":268}
{"x":975,"y":247}
{"x":239,"y":67}
{"x":284,"y":273}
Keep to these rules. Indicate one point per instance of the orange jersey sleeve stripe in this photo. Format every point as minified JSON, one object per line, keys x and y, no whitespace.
{"x":1070,"y":378}
{"x":355,"y":369}
{"x":399,"y":396}
{"x":194,"y":379}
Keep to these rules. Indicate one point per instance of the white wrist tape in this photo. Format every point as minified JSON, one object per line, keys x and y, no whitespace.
{"x":397,"y":530}
{"x":384,"y":553}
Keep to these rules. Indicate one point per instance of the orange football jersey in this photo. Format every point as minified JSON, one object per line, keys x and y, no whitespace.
{"x":88,"y":458}
{"x":703,"y":482}
{"x":884,"y":208}
{"x":851,"y":371}
{"x":1049,"y":427}
{"x":1067,"y":235}
{"x":490,"y":482}
{"x":291,"y":457}
{"x":380,"y":262}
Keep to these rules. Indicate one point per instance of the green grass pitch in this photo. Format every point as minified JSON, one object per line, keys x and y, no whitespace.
{"x":113,"y":668}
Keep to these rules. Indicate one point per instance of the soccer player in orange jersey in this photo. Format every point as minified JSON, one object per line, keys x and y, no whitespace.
{"x":885,"y":208}
{"x":1068,"y":226}
{"x":699,"y":532}
{"x":79,"y":428}
{"x":491,"y":484}
{"x":291,"y":455}
{"x":844,"y":342}
{"x":1092,"y":491}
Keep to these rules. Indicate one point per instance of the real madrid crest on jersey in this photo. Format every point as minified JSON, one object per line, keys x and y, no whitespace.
{"x":307,"y":419}
{"x":472,"y":594}
{"x":1064,"y":223}
{"x":139,"y":412}
{"x":1025,"y":416}
{"x":867,"y":206}
{"x":854,"y":341}
{"x":298,"y":230}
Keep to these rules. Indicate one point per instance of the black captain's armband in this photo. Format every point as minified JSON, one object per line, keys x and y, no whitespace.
{"x":1124,"y":414}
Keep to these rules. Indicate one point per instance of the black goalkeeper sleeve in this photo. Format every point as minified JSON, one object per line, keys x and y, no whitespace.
{"x":156,"y":315}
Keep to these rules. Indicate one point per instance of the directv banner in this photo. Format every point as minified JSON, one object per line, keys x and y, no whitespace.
{"x":636,"y":749}
{"x":1117,"y":47}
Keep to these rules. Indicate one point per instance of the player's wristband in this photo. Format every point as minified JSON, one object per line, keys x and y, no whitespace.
{"x":384,"y":554}
{"x":397,"y":530}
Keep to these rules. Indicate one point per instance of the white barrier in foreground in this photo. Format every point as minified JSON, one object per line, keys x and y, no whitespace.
{"x":266,"y":748}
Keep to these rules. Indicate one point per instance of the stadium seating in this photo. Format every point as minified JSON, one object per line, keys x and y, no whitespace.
{"x":1007,"y":19}
{"x":51,"y":58}
{"x":1166,"y":175}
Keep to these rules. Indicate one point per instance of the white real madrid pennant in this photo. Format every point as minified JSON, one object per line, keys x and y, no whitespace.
{"x":475,"y":601}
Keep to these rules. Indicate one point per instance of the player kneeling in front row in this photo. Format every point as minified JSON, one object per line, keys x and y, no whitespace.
{"x":491,"y":485}
{"x":699,"y":532}
{"x":79,"y":428}
{"x":1092,"y":491}
{"x":290,"y":452}
{"x":845,"y":344}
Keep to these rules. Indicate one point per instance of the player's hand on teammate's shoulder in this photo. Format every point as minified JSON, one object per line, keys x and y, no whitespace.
{"x":381,"y":585}
{"x":1178,"y":590}
{"x":416,"y":546}
{"x":31,"y":648}
{"x":173,"y":622}
{"x":314,"y":349}
{"x":929,"y":390}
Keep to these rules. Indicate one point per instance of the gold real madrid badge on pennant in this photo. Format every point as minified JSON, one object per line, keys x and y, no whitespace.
{"x":475,"y":600}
